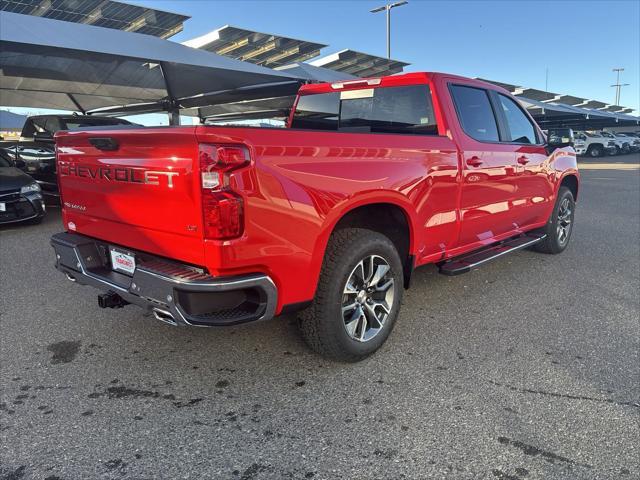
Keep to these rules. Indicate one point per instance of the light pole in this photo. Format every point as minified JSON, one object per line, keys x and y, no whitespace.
{"x":618,"y":85}
{"x":387,"y":8}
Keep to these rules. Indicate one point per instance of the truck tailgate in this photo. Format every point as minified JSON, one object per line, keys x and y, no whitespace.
{"x":134,"y":187}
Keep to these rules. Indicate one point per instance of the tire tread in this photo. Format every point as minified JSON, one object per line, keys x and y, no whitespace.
{"x":313,"y":326}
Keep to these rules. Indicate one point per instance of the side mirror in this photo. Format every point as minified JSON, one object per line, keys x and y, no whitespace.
{"x":560,"y":137}
{"x":44,"y":137}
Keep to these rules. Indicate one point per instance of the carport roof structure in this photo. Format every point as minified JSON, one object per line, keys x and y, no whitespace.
{"x":56,"y":64}
{"x":255,"y":47}
{"x":318,"y":74}
{"x":554,"y":115}
{"x":360,"y":64}
{"x":557,"y":109}
{"x":102,"y":13}
{"x":274,"y":107}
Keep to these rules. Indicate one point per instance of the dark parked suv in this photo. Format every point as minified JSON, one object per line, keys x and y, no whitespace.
{"x":34,"y":153}
{"x":20,"y":197}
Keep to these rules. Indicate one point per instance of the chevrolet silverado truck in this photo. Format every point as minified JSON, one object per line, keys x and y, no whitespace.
{"x":214,"y":225}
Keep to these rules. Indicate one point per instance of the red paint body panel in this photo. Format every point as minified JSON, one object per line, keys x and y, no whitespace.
{"x":300,"y":183}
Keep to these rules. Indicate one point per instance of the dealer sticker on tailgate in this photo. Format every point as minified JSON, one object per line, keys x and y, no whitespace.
{"x":122,"y":262}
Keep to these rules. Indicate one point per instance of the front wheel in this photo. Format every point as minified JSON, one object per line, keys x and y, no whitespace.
{"x":358,"y":296}
{"x":595,"y":151}
{"x":560,"y":224}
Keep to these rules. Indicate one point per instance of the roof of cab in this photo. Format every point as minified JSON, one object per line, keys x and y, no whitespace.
{"x":413,"y":78}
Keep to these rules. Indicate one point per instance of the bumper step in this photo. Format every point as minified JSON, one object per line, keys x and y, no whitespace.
{"x":174,"y":293}
{"x":464,"y":263}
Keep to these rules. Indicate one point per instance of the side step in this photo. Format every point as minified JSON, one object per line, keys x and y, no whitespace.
{"x":466,"y":262}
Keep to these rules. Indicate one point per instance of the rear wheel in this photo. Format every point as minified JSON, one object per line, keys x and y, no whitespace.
{"x":358,"y":296}
{"x":560,"y":224}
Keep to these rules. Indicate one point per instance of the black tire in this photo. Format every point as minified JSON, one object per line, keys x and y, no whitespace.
{"x":595,"y":151}
{"x":323,"y":324}
{"x":554,"y":242}
{"x":615,"y":151}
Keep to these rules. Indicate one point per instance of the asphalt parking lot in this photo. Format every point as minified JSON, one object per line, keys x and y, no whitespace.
{"x":527,"y":368}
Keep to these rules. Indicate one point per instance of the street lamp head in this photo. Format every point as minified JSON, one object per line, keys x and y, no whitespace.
{"x":388,"y":6}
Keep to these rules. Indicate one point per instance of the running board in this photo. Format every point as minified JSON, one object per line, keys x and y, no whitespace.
{"x":466,"y":262}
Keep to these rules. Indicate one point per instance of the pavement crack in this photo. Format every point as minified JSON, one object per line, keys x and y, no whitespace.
{"x":565,"y":396}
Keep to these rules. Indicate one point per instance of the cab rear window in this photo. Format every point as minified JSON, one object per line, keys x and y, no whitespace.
{"x":405,"y":110}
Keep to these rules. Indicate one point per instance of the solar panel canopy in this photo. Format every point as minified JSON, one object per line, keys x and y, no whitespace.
{"x":360,"y":64}
{"x":255,"y":47}
{"x":102,"y":13}
{"x":553,"y":110}
{"x":48,"y":63}
{"x":557,"y":98}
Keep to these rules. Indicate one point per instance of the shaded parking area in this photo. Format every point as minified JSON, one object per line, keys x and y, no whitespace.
{"x":527,"y":368}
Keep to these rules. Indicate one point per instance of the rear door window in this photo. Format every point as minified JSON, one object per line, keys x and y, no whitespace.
{"x":406,"y":110}
{"x":475,"y":113}
{"x":521,"y":130}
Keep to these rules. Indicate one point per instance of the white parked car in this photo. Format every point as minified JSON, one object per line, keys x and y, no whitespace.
{"x":622,"y":146}
{"x":632,"y":140}
{"x":592,"y":144}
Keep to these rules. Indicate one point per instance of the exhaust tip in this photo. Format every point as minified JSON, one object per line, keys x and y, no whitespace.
{"x":164,"y":316}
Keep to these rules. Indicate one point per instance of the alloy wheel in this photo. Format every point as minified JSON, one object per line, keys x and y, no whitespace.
{"x":368,"y":298}
{"x":565,"y":214}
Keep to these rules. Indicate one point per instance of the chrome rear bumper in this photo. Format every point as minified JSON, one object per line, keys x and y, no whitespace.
{"x":175,"y":293}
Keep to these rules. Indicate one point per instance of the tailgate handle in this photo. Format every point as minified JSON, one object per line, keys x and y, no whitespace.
{"x":104,"y":143}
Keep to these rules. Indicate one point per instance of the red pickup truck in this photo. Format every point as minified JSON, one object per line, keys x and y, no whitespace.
{"x":216,"y":225}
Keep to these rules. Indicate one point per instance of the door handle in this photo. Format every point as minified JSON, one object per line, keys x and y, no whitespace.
{"x":523,"y":160}
{"x":474,"y":161}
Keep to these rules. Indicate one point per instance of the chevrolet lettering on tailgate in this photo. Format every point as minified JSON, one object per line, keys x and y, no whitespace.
{"x":116,"y":174}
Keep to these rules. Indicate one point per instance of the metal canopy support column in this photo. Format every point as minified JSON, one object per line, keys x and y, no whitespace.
{"x":75,"y":102}
{"x":172,"y":107}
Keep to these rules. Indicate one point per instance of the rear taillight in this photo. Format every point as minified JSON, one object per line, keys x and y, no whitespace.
{"x":222,"y":208}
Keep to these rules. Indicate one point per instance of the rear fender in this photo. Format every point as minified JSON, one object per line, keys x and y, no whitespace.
{"x":339,"y":211}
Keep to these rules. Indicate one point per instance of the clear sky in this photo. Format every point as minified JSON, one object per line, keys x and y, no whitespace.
{"x":510,"y":41}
